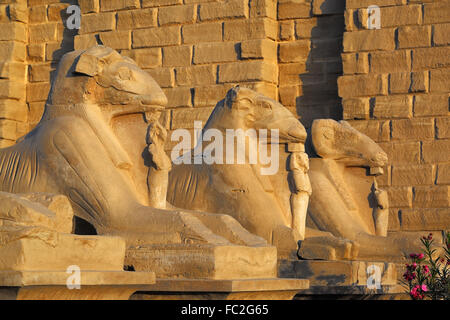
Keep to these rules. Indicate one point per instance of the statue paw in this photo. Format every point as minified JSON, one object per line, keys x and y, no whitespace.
{"x":328,"y":248}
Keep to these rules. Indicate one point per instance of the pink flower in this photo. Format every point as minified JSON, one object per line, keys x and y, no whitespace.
{"x":420,"y":256}
{"x":426,"y":269}
{"x":424,"y":288}
{"x":416,"y":292}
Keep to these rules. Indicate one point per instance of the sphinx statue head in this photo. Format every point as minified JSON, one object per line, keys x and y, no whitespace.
{"x":101,"y":77}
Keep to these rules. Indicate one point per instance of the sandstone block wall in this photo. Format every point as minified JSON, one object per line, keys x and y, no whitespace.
{"x":309,"y":60}
{"x":197,"y":50}
{"x":13,"y":71}
{"x":395,"y":88}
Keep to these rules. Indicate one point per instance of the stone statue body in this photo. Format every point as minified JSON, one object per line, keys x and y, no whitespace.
{"x":240,"y":190}
{"x":347,"y":214}
{"x":75,"y":151}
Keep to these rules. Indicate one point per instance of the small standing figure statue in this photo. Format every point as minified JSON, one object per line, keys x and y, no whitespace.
{"x":158,"y":173}
{"x":299,"y":166}
{"x":381,"y":210}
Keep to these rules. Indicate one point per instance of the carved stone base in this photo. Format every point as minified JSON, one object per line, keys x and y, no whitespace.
{"x":253,"y":289}
{"x":204,"y":261}
{"x":51,"y":285}
{"x":86,"y":252}
{"x":343,"y":279}
{"x":336,"y":273}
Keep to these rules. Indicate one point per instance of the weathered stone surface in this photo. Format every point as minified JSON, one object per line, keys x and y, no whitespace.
{"x":206,"y":262}
{"x":436,"y":12}
{"x":195,"y":75}
{"x":425,"y":219}
{"x":294,"y":51}
{"x":367,"y":40}
{"x":395,"y":61}
{"x":226,"y":9}
{"x":293,"y":9}
{"x":247,"y":71}
{"x":259,"y":49}
{"x":177,"y":14}
{"x":440,"y":34}
{"x":134,"y":19}
{"x":239,"y":30}
{"x":96,"y":22}
{"x":414,"y":36}
{"x":362,"y":85}
{"x":401,"y":15}
{"x":204,"y":32}
{"x":431,"y":105}
{"x":216,"y":52}
{"x":156,"y":37}
{"x":432,"y":196}
{"x":413,"y":129}
{"x":430,"y":58}
{"x":436,"y":151}
{"x":393,"y":107}
{"x":412,"y":175}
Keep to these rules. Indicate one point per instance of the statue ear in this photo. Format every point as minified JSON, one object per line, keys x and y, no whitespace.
{"x":235,"y":100}
{"x":232,"y":96}
{"x":88,"y":64}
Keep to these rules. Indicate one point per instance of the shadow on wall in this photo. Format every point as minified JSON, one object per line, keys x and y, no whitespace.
{"x":318,"y":92}
{"x":67,"y":42}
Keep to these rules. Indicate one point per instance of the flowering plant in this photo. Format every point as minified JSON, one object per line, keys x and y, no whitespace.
{"x":428,"y":276}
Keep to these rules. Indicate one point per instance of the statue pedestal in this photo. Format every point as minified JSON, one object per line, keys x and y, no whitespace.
{"x":38,"y":267}
{"x":51,"y":285}
{"x":86,"y":252}
{"x":203,"y":289}
{"x":342,"y":279}
{"x":204,"y":261}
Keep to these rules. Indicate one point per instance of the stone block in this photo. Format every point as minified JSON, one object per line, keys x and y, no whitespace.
{"x":156,"y":37}
{"x":177,"y":14}
{"x":412,"y":175}
{"x":195,"y":75}
{"x":240,"y":30}
{"x":414,"y":36}
{"x":230,"y":9}
{"x":431,"y":105}
{"x":97,"y":22}
{"x":203,"y":32}
{"x":114,"y":5}
{"x":136,"y":19}
{"x":368,"y":40}
{"x":296,"y":51}
{"x":248,"y":71}
{"x":394,"y":61}
{"x":436,"y":151}
{"x":413,"y":129}
{"x":216,"y":52}
{"x":259,"y":49}
{"x":362,"y":85}
{"x":397,"y":106}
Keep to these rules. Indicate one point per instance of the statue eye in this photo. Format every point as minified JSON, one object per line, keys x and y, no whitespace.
{"x":124,"y":74}
{"x":266,"y":105}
